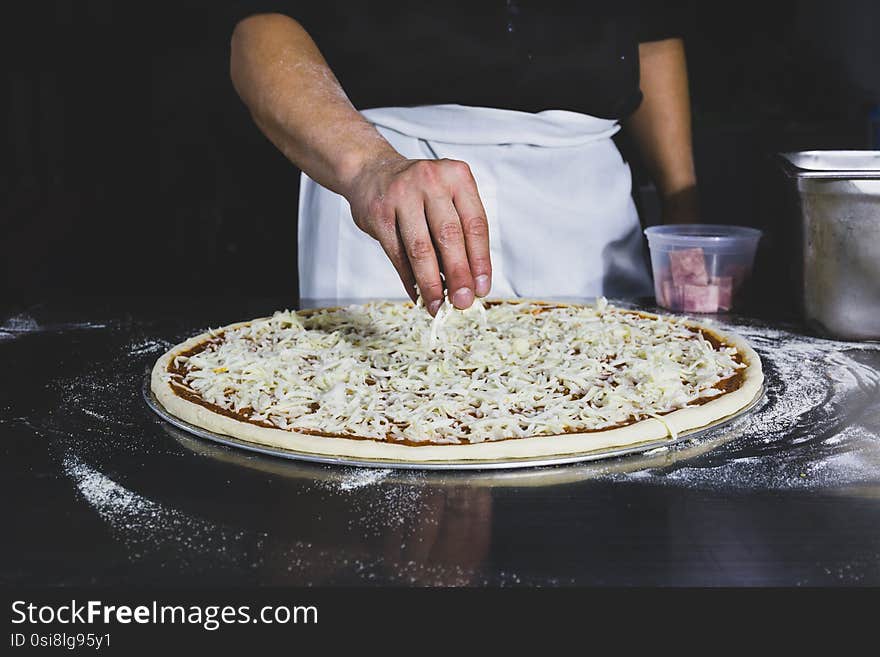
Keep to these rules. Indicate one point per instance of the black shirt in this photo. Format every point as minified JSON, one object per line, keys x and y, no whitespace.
{"x":527,"y":55}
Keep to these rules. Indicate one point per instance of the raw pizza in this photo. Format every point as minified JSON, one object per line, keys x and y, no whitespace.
{"x":501,"y":380}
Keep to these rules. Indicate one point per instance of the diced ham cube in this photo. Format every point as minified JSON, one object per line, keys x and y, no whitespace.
{"x":700,"y":298}
{"x":688,"y":267}
{"x":725,"y":291}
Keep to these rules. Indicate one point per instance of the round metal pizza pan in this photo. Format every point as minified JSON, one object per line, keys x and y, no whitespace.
{"x":578,"y":457}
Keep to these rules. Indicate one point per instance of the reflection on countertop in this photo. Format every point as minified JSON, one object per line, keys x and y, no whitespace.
{"x":789,"y":494}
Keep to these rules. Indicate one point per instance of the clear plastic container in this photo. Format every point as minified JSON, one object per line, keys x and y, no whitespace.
{"x":701,"y":268}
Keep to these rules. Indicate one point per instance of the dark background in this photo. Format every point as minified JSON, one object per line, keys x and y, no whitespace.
{"x":130,"y":167}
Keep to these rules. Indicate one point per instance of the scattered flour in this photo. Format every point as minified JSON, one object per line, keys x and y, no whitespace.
{"x":812,"y":429}
{"x":148,"y":528}
{"x":115,"y":504}
{"x":378,"y":503}
{"x":815,"y":428}
{"x":97,"y":416}
{"x":148,"y":346}
{"x":360,"y":477}
{"x":21,"y":323}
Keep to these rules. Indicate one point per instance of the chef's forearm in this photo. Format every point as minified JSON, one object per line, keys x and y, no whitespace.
{"x":661,"y":126}
{"x":299,"y":105}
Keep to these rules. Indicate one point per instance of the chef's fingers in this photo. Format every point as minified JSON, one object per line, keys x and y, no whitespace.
{"x":420,"y":251}
{"x":474,"y":225}
{"x":448,"y":237}
{"x":392,"y":244}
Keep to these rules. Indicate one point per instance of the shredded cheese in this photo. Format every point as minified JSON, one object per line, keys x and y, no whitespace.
{"x":389,"y":371}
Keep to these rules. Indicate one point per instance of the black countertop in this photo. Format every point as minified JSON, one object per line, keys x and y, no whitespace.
{"x":98,"y":490}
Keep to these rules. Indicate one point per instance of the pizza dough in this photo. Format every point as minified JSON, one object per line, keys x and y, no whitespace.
{"x":514,"y":380}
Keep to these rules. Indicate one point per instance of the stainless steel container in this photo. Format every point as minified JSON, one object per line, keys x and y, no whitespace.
{"x":835,"y":196}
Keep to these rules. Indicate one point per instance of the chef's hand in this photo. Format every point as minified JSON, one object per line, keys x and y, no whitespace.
{"x":428,"y":217}
{"x":426,"y":214}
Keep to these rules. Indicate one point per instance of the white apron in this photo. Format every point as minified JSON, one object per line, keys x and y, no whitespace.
{"x":556,"y":191}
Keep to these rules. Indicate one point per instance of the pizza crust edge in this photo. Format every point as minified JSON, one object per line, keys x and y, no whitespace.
{"x":648,"y":430}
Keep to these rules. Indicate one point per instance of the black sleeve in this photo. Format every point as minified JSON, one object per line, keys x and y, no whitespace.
{"x":655,"y":21}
